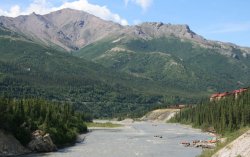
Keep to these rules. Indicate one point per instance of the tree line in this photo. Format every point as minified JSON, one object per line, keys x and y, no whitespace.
{"x":226,"y":115}
{"x":22,"y":117}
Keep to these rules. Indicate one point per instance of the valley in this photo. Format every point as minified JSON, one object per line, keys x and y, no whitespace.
{"x":61,"y":70}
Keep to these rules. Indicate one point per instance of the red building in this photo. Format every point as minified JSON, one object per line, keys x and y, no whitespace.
{"x":219,"y":96}
{"x":238,"y":92}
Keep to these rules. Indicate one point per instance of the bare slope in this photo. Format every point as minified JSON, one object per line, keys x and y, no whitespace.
{"x":239,"y":147}
{"x":67,"y":28}
{"x":161,"y":115}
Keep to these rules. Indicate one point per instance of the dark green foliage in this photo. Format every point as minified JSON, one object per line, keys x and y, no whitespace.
{"x":225,"y":115}
{"x":31,"y":70}
{"x":173,"y":63}
{"x":22,"y":117}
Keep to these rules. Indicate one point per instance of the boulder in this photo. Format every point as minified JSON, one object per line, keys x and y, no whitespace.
{"x":205,"y":145}
{"x":41,"y":142}
{"x":10,"y":146}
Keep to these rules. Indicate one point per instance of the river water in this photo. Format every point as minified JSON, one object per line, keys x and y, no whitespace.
{"x":139,"y":139}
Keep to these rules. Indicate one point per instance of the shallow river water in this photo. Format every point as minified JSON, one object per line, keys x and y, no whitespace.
{"x":139,"y":139}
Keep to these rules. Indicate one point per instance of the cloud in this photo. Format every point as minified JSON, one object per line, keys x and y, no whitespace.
{"x":228,"y":28}
{"x":13,"y":11}
{"x":44,"y":7}
{"x":137,"y":22}
{"x":144,"y":4}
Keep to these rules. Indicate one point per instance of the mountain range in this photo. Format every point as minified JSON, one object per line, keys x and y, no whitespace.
{"x":110,"y":69}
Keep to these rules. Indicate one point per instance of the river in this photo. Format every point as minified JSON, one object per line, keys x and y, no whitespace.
{"x":139,"y":139}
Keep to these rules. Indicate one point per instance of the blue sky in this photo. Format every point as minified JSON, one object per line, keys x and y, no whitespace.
{"x":224,"y":20}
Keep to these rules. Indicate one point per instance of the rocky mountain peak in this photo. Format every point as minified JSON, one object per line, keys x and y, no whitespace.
{"x":73,"y":29}
{"x":68,"y":10}
{"x":152,"y":24}
{"x":68,"y":28}
{"x":160,"y":29}
{"x":33,"y":14}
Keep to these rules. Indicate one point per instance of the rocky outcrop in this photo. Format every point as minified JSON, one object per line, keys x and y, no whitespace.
{"x":10,"y":146}
{"x":41,"y":142}
{"x":158,"y":29}
{"x":239,"y":147}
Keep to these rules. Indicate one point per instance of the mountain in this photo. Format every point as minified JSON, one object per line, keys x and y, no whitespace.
{"x":67,"y":28}
{"x":173,"y":55}
{"x":32,"y":70}
{"x":109,"y":69}
{"x":73,"y":30}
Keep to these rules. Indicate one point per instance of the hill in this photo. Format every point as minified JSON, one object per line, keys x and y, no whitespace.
{"x":174,"y":56}
{"x":181,"y":64}
{"x":112,"y":70}
{"x":29,"y":69}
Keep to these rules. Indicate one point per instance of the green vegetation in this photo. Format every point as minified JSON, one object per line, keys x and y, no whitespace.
{"x":22,"y":117}
{"x":224,"y":116}
{"x":176,"y":65}
{"x":31,"y":70}
{"x":103,"y":125}
{"x":230,"y":117}
{"x":145,"y":75}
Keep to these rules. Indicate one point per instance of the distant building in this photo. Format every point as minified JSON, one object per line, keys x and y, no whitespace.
{"x":238,"y":92}
{"x":219,"y":96}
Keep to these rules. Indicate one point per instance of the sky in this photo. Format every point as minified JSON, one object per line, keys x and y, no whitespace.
{"x":222,"y":20}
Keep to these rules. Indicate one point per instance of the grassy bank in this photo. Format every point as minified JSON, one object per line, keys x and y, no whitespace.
{"x":103,"y":125}
{"x":229,"y":138}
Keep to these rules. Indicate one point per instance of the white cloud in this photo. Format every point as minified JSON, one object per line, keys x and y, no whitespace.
{"x":44,"y":7}
{"x":144,"y":4}
{"x":137,"y":22}
{"x":12,"y":12}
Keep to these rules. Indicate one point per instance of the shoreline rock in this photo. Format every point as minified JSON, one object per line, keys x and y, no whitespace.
{"x":41,"y":142}
{"x":10,"y":146}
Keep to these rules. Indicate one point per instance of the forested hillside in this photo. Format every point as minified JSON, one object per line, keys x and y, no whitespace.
{"x":110,"y":70}
{"x":22,"y":117}
{"x":226,"y":115}
{"x":173,"y":62}
{"x":31,"y":70}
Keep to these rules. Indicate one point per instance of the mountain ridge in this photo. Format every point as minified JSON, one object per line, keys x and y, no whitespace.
{"x":74,"y":29}
{"x":61,"y":27}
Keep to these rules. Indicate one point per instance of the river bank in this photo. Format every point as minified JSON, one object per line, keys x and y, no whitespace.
{"x":238,"y":147}
{"x":235,"y":144}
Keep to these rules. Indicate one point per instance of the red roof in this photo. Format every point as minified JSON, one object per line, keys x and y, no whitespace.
{"x":228,"y":93}
{"x":220,"y":95}
{"x":223,"y":94}
{"x":215,"y":95}
{"x":239,"y":90}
